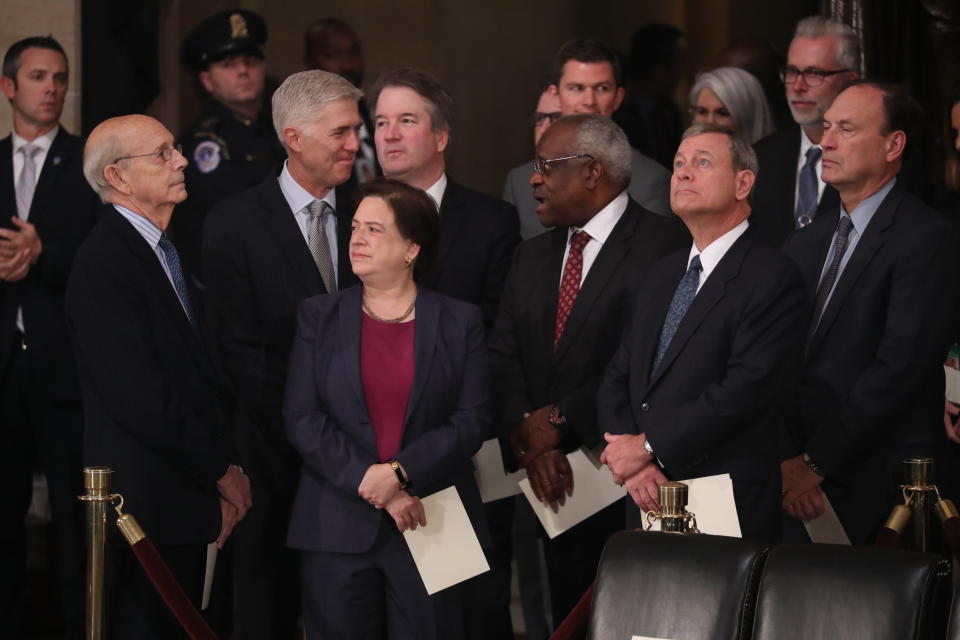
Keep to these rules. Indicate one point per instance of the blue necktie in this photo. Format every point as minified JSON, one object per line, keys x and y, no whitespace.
{"x":172,"y":259}
{"x":840,"y":241}
{"x":809,"y":189}
{"x":682,"y":298}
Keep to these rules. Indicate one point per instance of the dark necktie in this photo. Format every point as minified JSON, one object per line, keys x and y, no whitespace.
{"x":319,"y":247}
{"x":809,"y":189}
{"x":683,"y":296}
{"x":570,"y":283}
{"x":172,"y":259}
{"x":830,"y":277}
{"x":27,"y":182}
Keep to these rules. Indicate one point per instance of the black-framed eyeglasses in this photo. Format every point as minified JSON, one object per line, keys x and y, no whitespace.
{"x":540,"y":116}
{"x":812,"y":76}
{"x":166,"y":153}
{"x":543,"y":166}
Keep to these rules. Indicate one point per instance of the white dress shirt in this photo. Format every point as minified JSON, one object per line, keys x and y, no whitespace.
{"x":713,"y":253}
{"x":806,"y":143}
{"x":299,"y":199}
{"x":598,"y":228}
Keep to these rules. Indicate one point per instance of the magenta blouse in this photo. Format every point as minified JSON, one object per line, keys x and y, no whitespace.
{"x":386,"y":368}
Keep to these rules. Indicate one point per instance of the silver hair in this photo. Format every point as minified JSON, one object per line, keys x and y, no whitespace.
{"x":601,"y":138}
{"x":302,"y":96}
{"x":742,"y":155}
{"x":848,"y":49}
{"x":97,"y":156}
{"x":743,"y":97}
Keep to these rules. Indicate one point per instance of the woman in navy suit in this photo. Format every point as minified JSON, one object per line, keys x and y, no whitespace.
{"x":386,"y":402}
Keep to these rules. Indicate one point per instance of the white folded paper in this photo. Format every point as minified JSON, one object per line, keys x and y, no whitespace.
{"x":710,"y":499}
{"x":826,"y":527}
{"x":447,"y":550}
{"x":212,"y":550}
{"x":953,"y":384}
{"x":593,"y":489}
{"x":494,"y":483}
{"x":647,"y":638}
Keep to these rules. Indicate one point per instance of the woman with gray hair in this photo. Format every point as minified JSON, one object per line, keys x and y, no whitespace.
{"x":733,"y":98}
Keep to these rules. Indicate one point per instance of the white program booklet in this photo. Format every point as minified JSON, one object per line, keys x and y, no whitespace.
{"x":826,"y":528}
{"x":212,"y":550}
{"x":593,"y":489}
{"x":710,"y":499}
{"x":495,"y":483}
{"x":447,"y":550}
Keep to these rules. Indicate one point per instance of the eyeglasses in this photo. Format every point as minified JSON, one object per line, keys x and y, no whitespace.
{"x":543,"y":166}
{"x":813,"y":77}
{"x":540,"y":116}
{"x":166,"y":153}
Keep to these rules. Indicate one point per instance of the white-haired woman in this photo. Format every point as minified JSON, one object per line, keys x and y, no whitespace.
{"x":733,"y":98}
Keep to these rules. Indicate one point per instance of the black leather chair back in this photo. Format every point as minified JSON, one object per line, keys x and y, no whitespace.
{"x":953,"y":632}
{"x":851,"y":593}
{"x":663,"y":585}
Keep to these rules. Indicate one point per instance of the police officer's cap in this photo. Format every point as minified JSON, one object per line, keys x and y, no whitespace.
{"x":228,"y":33}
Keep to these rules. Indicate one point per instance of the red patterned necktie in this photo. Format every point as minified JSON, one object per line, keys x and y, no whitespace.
{"x":570,"y":283}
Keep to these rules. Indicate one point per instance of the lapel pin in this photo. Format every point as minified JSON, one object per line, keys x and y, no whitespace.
{"x":57,"y":160}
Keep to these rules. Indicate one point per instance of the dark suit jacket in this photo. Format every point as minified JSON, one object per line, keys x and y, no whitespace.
{"x":709,"y":406}
{"x":526,"y":373}
{"x":774,"y":194}
{"x":478,"y":235}
{"x":871,"y":386}
{"x":151,"y":394}
{"x":64,"y":209}
{"x":258,"y":269}
{"x":328,"y":423}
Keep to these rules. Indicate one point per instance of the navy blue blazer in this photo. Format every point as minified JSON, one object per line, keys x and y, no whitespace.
{"x":327,"y":421}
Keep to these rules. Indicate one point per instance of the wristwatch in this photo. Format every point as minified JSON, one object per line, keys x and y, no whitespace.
{"x":648,"y":447}
{"x":404,"y":482}
{"x":556,"y":418}
{"x":813,"y":466}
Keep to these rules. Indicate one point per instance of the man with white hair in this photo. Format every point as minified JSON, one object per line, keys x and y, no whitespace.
{"x":265,"y":250}
{"x":564,"y":304}
{"x":823,"y":60}
{"x":152,"y":401}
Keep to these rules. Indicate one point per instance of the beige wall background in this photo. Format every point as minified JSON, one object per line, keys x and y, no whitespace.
{"x":490,"y":55}
{"x":59,"y":18}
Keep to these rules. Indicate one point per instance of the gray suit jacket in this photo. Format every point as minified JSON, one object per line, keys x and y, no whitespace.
{"x":649,"y":186}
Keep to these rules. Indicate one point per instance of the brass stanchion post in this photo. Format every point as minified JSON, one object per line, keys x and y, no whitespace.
{"x":673,"y":515}
{"x":98,"y":482}
{"x":918,"y":474}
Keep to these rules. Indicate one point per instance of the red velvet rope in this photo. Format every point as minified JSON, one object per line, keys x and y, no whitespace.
{"x":576,"y":621}
{"x":887,"y":539}
{"x":171,"y":592}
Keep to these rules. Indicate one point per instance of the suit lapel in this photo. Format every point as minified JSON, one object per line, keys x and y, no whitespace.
{"x":346,"y":207}
{"x":425,"y":343}
{"x":282,"y":225}
{"x":56,"y":160}
{"x":605,"y":265}
{"x":656,"y":312}
{"x":160,"y":283}
{"x":868,"y":245}
{"x":546,"y":291}
{"x":452,"y":219}
{"x":350,"y":317}
{"x":8,"y":195}
{"x":712,"y":291}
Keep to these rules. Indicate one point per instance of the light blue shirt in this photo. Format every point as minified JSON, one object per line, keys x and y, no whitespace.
{"x":299,"y":199}
{"x":151,"y":233}
{"x":860,"y":217}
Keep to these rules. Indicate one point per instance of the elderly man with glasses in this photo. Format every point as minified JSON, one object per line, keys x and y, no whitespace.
{"x":152,"y":398}
{"x":564,"y":304}
{"x":823,"y":59}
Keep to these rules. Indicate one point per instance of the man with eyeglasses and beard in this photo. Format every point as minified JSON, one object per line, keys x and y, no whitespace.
{"x":822,"y":61}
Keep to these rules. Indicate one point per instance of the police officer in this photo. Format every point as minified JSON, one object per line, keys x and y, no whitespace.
{"x":232,"y":146}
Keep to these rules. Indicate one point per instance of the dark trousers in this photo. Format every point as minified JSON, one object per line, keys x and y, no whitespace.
{"x":486,"y":597}
{"x":375,"y":595}
{"x":40,"y":429}
{"x":135,"y":609}
{"x":573,"y":558}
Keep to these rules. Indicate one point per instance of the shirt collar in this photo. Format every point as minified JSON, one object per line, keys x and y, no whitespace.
{"x":44,"y":141}
{"x":438,"y":189}
{"x":296,"y":196}
{"x":711,"y":256}
{"x":150,"y":232}
{"x":864,"y":212}
{"x":600,"y":226}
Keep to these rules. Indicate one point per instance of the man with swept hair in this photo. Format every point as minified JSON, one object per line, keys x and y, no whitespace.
{"x":823,"y":59}
{"x":694,"y":387}
{"x":564,"y":304}
{"x":48,"y":210}
{"x":264,"y":251}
